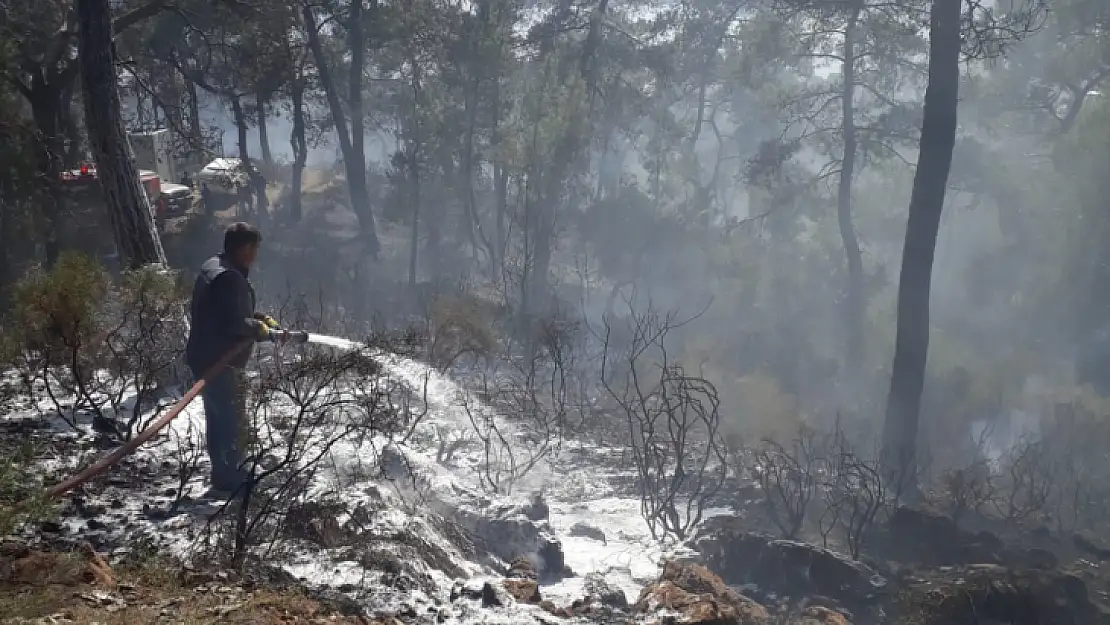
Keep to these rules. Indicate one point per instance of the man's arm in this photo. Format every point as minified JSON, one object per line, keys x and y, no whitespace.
{"x":232,"y":295}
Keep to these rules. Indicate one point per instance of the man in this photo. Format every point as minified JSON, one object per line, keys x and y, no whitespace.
{"x":223,"y":319}
{"x":244,"y":197}
{"x":206,"y":199}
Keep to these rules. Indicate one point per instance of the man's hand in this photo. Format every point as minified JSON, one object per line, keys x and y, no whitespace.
{"x":268,"y":321}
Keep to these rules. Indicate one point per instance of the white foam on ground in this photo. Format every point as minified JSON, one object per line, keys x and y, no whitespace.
{"x":628,"y":559}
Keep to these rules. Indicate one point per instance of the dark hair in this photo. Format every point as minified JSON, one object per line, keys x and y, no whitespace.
{"x":239,"y":235}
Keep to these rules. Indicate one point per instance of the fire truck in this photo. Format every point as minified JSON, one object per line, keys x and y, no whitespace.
{"x":87,"y":226}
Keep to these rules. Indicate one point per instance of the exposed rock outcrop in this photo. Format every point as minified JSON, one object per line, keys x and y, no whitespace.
{"x":783,"y":567}
{"x":584,"y":530}
{"x":691,"y":593}
{"x":523,"y":590}
{"x":600,"y":590}
{"x":822,"y":616}
{"x":994,"y":594}
{"x":521,"y":582}
{"x":926,"y":537}
{"x":1090,"y":545}
{"x":501,"y":527}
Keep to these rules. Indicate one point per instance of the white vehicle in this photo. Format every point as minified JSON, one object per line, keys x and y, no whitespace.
{"x":175,"y":199}
{"x":223,"y":175}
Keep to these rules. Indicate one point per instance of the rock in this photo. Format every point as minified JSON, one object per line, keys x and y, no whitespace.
{"x":537,"y":508}
{"x":990,"y":594}
{"x":696,"y":595}
{"x":599,"y":589}
{"x":602,"y":604}
{"x":822,"y":616}
{"x":506,"y":533}
{"x":588,"y":531}
{"x":490,"y":599}
{"x":395,"y":465}
{"x":783,"y":567}
{"x":1090,"y":545}
{"x":1033,"y":558}
{"x":522,"y":568}
{"x":486,"y":593}
{"x":523,"y":590}
{"x":318,"y":523}
{"x":926,"y":537}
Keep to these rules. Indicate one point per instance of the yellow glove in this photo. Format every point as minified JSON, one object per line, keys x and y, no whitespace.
{"x":268,"y":321}
{"x":263,"y":331}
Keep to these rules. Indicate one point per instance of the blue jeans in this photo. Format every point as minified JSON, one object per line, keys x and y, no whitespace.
{"x":225,"y":401}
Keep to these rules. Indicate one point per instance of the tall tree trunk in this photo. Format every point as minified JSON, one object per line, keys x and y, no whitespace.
{"x":413,"y":174}
{"x":434,"y":217}
{"x":44,"y":103}
{"x":542,"y":213}
{"x":256,"y":184}
{"x":356,"y":165}
{"x":911,"y":348}
{"x":354,"y":158}
{"x":500,"y":180}
{"x":196,"y":141}
{"x":263,"y":132}
{"x":300,"y":148}
{"x":243,"y":194}
{"x":127,"y":203}
{"x":72,"y":129}
{"x":855,"y":305}
{"x":241,"y":131}
{"x":469,"y":165}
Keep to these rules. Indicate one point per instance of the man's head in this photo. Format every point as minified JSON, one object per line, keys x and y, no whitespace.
{"x":241,"y":241}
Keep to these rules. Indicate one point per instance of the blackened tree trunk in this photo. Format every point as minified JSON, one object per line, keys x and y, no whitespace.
{"x":256,"y":185}
{"x":413,"y":175}
{"x":300,"y":148}
{"x":855,"y":305}
{"x":71,"y":126}
{"x":351,"y":145}
{"x":241,"y":130}
{"x":938,"y":138}
{"x":501,"y":179}
{"x":263,"y":132}
{"x":44,"y":102}
{"x":196,"y":141}
{"x":128,"y":206}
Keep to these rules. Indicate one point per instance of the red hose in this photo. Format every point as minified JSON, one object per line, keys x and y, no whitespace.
{"x":125,"y":449}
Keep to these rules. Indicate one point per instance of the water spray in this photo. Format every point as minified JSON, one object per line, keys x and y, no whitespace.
{"x":332,"y":341}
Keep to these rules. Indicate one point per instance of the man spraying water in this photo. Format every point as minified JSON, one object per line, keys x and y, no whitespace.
{"x":223,"y":319}
{"x":224,"y":327}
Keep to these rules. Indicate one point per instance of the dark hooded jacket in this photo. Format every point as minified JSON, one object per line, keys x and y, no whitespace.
{"x":222,"y":315}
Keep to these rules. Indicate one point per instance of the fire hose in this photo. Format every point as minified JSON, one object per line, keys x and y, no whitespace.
{"x":151,"y":430}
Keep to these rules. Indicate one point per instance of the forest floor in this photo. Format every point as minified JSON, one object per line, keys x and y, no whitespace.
{"x":50,"y":587}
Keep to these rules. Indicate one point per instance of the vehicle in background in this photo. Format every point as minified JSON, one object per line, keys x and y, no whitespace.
{"x":82,"y":184}
{"x":155,"y":150}
{"x":175,"y":200}
{"x":223,"y":176}
{"x":166,"y":198}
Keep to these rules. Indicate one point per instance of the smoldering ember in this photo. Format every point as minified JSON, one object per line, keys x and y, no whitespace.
{"x":757,"y":312}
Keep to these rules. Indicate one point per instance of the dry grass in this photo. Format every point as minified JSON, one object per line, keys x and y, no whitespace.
{"x":45,"y":587}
